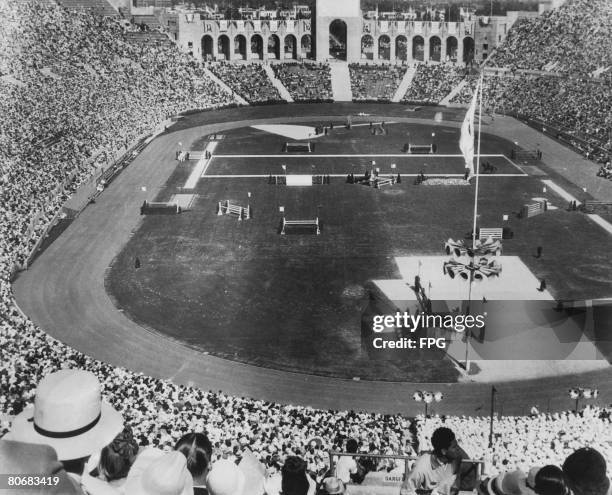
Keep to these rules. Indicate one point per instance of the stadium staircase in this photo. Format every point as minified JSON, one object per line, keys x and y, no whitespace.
{"x":276,"y":82}
{"x":97,"y":7}
{"x":404,"y":85}
{"x":446,"y":101}
{"x":237,"y":97}
{"x":341,"y":81}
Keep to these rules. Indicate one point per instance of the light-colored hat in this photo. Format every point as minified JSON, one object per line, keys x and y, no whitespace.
{"x":68,"y":415}
{"x":20,"y":458}
{"x":225,"y":478}
{"x":530,"y":481}
{"x":157,"y":473}
{"x":508,"y":483}
{"x":333,"y":486}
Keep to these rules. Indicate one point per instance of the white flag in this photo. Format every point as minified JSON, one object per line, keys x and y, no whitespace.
{"x":466,"y":141}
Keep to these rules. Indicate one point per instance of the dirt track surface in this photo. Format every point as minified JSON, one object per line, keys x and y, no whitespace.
{"x":63,"y":292}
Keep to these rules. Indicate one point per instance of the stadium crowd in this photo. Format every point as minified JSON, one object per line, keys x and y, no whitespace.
{"x":306,"y":82}
{"x":248,"y":80}
{"x":573,"y":39}
{"x":573,"y":93}
{"x":75,"y":90}
{"x":60,"y":78}
{"x":432,"y":83}
{"x":521,"y":442}
{"x":578,"y":110}
{"x":375,"y":82}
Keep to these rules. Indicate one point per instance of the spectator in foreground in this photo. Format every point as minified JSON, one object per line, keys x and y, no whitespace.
{"x":225,"y":478}
{"x":585,"y":472}
{"x":157,"y":473}
{"x":347,"y":465}
{"x":197,"y":449}
{"x":332,"y":486}
{"x":69,"y":415}
{"x":292,"y":480}
{"x":437,"y":471}
{"x":26,"y":458}
{"x":511,"y":483}
{"x":117,"y":458}
{"x":549,"y":481}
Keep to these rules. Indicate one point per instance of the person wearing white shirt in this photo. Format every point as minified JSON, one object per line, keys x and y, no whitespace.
{"x":437,"y":471}
{"x":346,"y":465}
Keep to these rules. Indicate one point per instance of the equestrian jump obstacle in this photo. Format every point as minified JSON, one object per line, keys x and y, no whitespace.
{"x":534,"y":209}
{"x":299,"y":180}
{"x":597,"y":207}
{"x":491,"y":233}
{"x":160,"y":208}
{"x":196,"y":155}
{"x":231,"y":209}
{"x":373,"y":179}
{"x":420,"y":149}
{"x":301,"y":223}
{"x":525,"y":156}
{"x":295,"y":147}
{"x":383,"y":181}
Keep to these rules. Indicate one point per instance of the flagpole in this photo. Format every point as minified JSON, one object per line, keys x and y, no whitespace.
{"x":467,"y":335}
{"x":477,"y":163}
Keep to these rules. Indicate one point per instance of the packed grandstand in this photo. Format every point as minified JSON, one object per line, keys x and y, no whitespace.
{"x":79,"y":89}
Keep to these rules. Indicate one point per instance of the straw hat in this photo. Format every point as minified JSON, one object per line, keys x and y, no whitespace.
{"x":333,"y":486}
{"x":225,"y":478}
{"x":68,"y":415}
{"x":157,"y":473}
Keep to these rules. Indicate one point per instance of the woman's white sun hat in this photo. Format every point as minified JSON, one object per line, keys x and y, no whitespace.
{"x":69,"y":415}
{"x":157,"y":473}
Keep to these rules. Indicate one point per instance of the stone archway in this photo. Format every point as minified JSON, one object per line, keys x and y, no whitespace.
{"x":468,"y":50}
{"x":435,"y":49}
{"x":401,"y":48}
{"x":418,"y":48}
{"x":223,"y":47}
{"x":274,"y":47}
{"x":451,"y":48}
{"x":367,"y":47}
{"x":384,"y":47}
{"x":208,"y":51}
{"x":257,"y":47}
{"x":240,"y":47}
{"x":337,"y":39}
{"x":306,"y":46}
{"x":291,"y":50}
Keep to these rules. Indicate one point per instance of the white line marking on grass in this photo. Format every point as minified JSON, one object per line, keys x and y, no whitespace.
{"x":568,"y":197}
{"x":399,"y":155}
{"x":511,"y":163}
{"x":560,"y":191}
{"x":602,"y":223}
{"x":200,"y":168}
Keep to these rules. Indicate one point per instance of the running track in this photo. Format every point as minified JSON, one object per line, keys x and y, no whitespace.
{"x":63,"y":292}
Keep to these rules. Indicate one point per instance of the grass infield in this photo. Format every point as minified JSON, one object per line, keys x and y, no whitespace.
{"x":242,"y":291}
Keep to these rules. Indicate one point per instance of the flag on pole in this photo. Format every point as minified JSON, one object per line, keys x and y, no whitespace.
{"x":466,"y":141}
